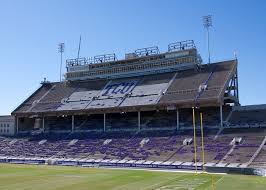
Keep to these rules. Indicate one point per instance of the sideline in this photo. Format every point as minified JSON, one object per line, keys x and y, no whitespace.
{"x":163,"y":170}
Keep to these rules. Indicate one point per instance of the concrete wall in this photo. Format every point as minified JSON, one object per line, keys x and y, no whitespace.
{"x":7,"y":125}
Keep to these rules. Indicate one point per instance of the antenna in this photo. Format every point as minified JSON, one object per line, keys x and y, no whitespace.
{"x":61,"y":49}
{"x":79,"y":46}
{"x":207,"y":23}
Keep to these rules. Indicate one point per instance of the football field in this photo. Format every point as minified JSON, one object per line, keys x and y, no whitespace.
{"x":30,"y":177}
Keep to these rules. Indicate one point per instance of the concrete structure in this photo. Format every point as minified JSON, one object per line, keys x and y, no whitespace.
{"x":7,"y":125}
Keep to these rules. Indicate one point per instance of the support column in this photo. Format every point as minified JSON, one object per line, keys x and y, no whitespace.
{"x":139,"y":128}
{"x":104,"y":122}
{"x":73,"y":123}
{"x":177,"y":119}
{"x":43,"y":124}
{"x":237,"y":85}
{"x":17,"y":121}
{"x":221,"y":115}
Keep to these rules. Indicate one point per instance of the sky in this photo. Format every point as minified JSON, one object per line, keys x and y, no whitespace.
{"x":30,"y":31}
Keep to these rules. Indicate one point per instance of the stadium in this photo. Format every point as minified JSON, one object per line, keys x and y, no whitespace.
{"x":149,"y":111}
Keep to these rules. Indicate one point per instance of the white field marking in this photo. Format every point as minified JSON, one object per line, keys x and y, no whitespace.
{"x":218,"y":181}
{"x":185,"y":183}
{"x":162,"y":182}
{"x":127,"y":184}
{"x":163,"y":170}
{"x":71,"y":176}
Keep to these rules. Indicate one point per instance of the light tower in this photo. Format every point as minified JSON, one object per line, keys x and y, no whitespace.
{"x":61,"y":49}
{"x":207,"y":23}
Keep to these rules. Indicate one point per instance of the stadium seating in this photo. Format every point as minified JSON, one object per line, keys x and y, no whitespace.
{"x":154,"y":136}
{"x":185,"y":87}
{"x":165,"y":88}
{"x":260,"y":160}
{"x":248,"y":118}
{"x":154,"y":145}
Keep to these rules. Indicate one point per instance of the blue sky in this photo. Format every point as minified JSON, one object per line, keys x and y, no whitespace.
{"x":31,"y":30}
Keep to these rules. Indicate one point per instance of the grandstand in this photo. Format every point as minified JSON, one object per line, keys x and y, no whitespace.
{"x":137,"y":112}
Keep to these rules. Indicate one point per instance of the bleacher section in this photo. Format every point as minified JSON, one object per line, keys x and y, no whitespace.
{"x":248,"y":116}
{"x":164,"y":146}
{"x":178,"y":88}
{"x":243,"y":152}
{"x":260,"y":160}
{"x":185,"y":87}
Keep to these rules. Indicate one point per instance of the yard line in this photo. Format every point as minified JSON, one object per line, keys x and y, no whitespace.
{"x":157,"y":185}
{"x":218,"y":181}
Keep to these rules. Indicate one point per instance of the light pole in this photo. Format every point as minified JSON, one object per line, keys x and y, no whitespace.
{"x":207,"y":23}
{"x":61,"y":49}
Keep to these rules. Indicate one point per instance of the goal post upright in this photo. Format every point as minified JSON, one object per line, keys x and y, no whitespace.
{"x":195,"y":143}
{"x":202,"y":139}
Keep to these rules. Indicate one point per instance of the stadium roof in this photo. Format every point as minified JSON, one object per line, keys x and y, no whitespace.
{"x":207,"y":86}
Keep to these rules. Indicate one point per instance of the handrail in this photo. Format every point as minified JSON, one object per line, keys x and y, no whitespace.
{"x":205,"y":83}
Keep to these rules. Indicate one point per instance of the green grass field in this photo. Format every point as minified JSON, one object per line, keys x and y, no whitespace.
{"x":27,"y":177}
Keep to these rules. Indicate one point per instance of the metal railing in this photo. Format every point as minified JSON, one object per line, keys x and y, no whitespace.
{"x":96,"y":59}
{"x":183,"y":45}
{"x":104,"y":58}
{"x":78,"y":61}
{"x":147,"y":51}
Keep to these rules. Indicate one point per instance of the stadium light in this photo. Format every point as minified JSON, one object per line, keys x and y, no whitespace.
{"x":207,"y":23}
{"x":61,"y":49}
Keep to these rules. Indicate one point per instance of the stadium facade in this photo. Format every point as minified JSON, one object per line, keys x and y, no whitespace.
{"x":147,"y":110}
{"x":146,"y":81}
